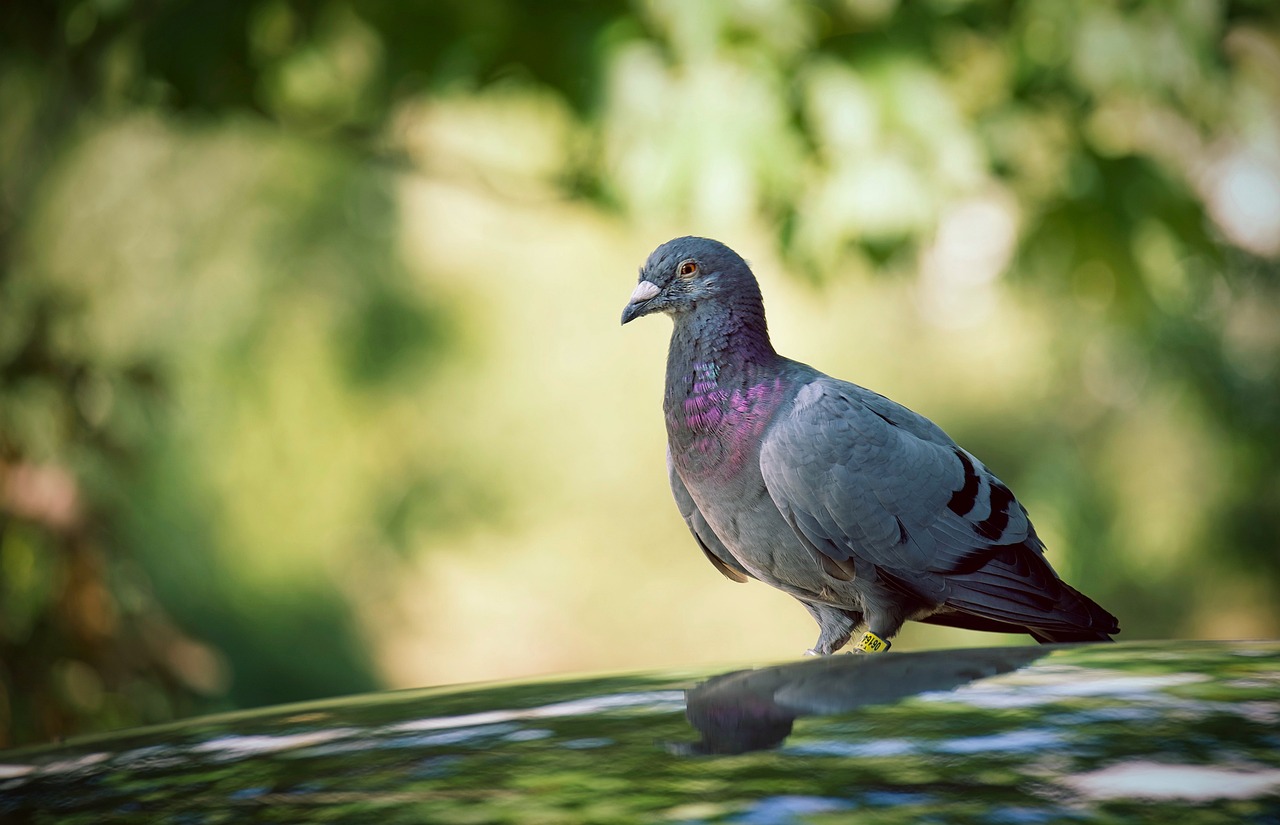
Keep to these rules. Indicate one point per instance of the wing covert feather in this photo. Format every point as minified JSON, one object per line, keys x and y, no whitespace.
{"x":869,"y":480}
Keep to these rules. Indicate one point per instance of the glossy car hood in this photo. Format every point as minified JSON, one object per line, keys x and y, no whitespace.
{"x":1176,"y":732}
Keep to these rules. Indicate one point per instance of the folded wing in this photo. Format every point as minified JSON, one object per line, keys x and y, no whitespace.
{"x":878,"y":492}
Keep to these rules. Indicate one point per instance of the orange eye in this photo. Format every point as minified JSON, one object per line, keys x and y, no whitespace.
{"x":687,"y":269}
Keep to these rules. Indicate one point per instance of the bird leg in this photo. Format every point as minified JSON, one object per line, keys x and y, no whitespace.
{"x":872,"y":643}
{"x":881,"y":627}
{"x":835,"y":626}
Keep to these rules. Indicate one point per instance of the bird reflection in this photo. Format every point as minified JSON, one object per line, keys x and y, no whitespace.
{"x":748,"y":710}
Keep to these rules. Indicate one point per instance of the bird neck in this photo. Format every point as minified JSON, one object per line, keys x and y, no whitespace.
{"x":734,"y":340}
{"x":719,"y":360}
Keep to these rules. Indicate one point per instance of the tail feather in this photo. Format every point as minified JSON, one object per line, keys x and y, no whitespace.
{"x":1045,"y":637}
{"x":1018,"y":587}
{"x":972,"y":621}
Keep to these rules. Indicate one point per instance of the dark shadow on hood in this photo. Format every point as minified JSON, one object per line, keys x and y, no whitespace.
{"x":749,"y":710}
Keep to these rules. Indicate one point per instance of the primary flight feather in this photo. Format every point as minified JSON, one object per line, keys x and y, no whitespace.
{"x":865,"y":511}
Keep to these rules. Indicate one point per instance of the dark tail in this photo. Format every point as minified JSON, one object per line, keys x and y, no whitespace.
{"x":1017,"y":587}
{"x":1093,"y":623}
{"x":1046,"y":637}
{"x":969,"y":621}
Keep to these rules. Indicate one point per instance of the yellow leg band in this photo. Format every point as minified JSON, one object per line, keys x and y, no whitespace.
{"x":871,"y":643}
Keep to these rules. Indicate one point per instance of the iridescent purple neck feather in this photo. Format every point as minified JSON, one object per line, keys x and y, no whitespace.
{"x":723,"y":383}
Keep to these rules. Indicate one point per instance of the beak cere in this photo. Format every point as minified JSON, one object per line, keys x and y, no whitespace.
{"x":644,"y":292}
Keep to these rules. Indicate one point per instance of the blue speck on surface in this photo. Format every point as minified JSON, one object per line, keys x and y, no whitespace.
{"x":893,"y":798}
{"x":436,"y":766}
{"x":1022,"y":815}
{"x":586,"y":744}
{"x":869,"y":749}
{"x":780,"y":810}
{"x":249,"y":793}
{"x":1017,"y":741}
{"x":528,"y":735}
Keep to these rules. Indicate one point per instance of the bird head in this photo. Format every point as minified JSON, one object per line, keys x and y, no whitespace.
{"x":687,"y":272}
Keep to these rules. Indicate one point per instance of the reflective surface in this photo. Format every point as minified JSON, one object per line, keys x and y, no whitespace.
{"x":1175,"y":732}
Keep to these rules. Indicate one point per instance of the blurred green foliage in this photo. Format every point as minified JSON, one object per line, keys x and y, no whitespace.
{"x":283,"y":310}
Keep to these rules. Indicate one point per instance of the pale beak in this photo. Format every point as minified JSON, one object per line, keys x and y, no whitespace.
{"x":644,"y":292}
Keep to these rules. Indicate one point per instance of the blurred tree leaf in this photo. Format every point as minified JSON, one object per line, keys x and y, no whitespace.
{"x":213,"y":358}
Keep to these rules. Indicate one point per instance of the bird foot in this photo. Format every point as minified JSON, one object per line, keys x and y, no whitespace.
{"x":827,"y":647}
{"x":815,"y":652}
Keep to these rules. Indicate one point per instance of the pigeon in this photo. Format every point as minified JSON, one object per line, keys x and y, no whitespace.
{"x":863,"y":510}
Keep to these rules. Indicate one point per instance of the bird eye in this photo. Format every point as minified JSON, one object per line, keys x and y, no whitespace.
{"x":687,"y":269}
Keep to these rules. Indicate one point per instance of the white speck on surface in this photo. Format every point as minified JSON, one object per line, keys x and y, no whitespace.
{"x":659,"y":700}
{"x":529,"y":735}
{"x":1154,"y":780}
{"x":871,"y":749}
{"x":239,"y":747}
{"x":1030,"y":689}
{"x":14,"y":771}
{"x":74,"y":764}
{"x":1017,"y":740}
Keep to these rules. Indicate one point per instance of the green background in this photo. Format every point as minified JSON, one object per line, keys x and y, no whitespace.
{"x":310,"y":375}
